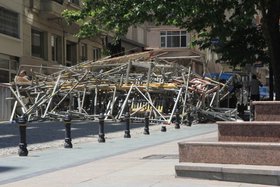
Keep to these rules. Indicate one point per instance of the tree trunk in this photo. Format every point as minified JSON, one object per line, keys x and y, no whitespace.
{"x":271,"y":85}
{"x":270,"y":27}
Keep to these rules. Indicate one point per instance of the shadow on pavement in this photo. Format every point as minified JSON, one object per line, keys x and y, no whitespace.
{"x":5,"y":168}
{"x":50,"y":131}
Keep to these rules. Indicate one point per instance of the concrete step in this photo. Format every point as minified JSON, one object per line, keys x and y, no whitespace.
{"x":250,"y":131}
{"x":267,"y":110}
{"x":269,"y":175}
{"x":230,"y":153}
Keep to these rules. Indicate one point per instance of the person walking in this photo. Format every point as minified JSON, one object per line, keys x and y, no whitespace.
{"x":255,"y":84}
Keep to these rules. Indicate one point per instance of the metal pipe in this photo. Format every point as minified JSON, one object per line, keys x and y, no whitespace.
{"x":54,"y":89}
{"x":125,"y":101}
{"x":152,"y":105}
{"x":175,"y":105}
{"x":70,"y":91}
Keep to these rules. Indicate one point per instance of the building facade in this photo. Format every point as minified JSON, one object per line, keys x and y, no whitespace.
{"x":33,"y":33}
{"x":11,"y":49}
{"x":11,"y":45}
{"x":177,"y":44}
{"x":49,"y":42}
{"x":34,"y":36}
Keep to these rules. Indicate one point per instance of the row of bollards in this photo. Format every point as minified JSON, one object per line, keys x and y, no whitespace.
{"x":22,"y":122}
{"x":177,"y":122}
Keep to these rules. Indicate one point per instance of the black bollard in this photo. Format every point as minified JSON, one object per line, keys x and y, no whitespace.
{"x":163,"y":129}
{"x":147,"y":121}
{"x":177,"y":123}
{"x":101,"y":135}
{"x":190,"y":118}
{"x":127,"y":124}
{"x":22,"y":151}
{"x":67,"y":123}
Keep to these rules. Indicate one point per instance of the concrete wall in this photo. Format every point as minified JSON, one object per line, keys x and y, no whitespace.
{"x":137,"y":34}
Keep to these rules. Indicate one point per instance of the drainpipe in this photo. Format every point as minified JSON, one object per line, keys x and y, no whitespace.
{"x":63,"y":58}
{"x":63,"y":49}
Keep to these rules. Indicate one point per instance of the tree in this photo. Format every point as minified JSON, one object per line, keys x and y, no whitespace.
{"x":227,"y":27}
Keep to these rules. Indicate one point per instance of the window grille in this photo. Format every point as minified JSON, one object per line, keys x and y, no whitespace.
{"x":9,"y":22}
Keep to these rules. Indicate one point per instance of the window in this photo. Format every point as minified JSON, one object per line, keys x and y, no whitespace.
{"x":14,"y":64}
{"x":38,"y":43}
{"x":56,"y":48}
{"x":96,"y":54}
{"x":4,"y":76}
{"x":9,"y":22}
{"x":4,"y":63}
{"x":84,"y":52}
{"x":8,"y":68}
{"x":170,"y":39}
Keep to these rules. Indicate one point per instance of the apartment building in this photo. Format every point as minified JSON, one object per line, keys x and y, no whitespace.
{"x":11,"y":46}
{"x":34,"y":36}
{"x":33,"y":33}
{"x":49,"y":42}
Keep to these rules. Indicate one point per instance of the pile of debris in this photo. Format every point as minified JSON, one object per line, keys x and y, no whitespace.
{"x":139,"y":83}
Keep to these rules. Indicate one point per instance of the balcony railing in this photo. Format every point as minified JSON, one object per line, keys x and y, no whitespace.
{"x":76,"y":2}
{"x":59,"y":1}
{"x":52,"y":8}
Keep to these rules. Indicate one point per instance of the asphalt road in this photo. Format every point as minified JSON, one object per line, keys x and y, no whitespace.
{"x":43,"y":135}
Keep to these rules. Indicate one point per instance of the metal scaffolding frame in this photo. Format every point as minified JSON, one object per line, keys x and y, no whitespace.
{"x":138,"y":82}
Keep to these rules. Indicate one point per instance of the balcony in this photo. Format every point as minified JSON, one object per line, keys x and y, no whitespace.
{"x":51,"y":9}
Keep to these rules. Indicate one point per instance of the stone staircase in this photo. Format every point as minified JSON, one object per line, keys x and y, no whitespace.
{"x":245,"y":151}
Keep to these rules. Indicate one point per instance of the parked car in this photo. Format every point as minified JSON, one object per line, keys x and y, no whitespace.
{"x":264,"y":92}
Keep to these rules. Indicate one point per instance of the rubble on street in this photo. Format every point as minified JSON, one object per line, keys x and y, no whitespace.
{"x":136,"y":83}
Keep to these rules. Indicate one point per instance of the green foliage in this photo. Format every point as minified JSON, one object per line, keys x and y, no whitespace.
{"x":226,"y":27}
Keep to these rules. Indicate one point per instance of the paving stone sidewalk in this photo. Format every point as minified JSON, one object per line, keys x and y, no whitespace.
{"x":142,"y":161}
